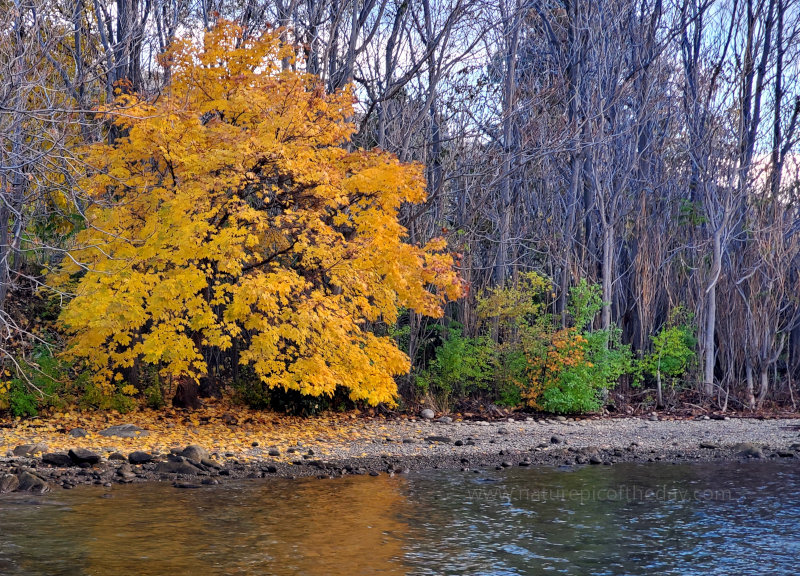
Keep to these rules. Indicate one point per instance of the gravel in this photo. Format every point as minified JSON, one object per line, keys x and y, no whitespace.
{"x":398,"y":446}
{"x":402,"y":438}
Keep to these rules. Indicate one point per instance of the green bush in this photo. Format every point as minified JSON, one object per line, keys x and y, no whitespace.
{"x":580,"y":387}
{"x":673,"y":347}
{"x":41,"y":380}
{"x":510,"y":376}
{"x":22,"y":401}
{"x":250,"y":390}
{"x":531,"y":357}
{"x":153,"y":396}
{"x":98,"y":399}
{"x":570,"y":368}
{"x":461,"y":368}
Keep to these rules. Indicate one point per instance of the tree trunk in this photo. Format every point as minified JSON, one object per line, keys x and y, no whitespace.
{"x":748,"y":370}
{"x":709,"y":350}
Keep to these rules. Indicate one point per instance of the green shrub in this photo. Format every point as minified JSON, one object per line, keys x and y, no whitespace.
{"x":22,"y":401}
{"x":461,"y":368}
{"x":510,"y":375}
{"x":570,"y":368}
{"x":250,"y":390}
{"x":579,"y":387}
{"x":153,"y":396}
{"x":673,"y":347}
{"x":531,"y":358}
{"x":41,"y":380}
{"x":97,"y":398}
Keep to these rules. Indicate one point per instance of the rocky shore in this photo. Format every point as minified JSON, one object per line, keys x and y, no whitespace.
{"x":403,"y":445}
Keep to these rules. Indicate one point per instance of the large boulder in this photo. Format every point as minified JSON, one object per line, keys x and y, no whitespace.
{"x":140,"y":457}
{"x":31,"y":483}
{"x":748,"y":450}
{"x":8,"y":483}
{"x":28,"y":450}
{"x":125,"y":472}
{"x":195,"y":452}
{"x":57,"y":459}
{"x":125,"y":431}
{"x":173,"y":467}
{"x":84,"y":456}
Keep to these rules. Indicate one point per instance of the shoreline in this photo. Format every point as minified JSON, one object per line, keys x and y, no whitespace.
{"x":378,"y":447}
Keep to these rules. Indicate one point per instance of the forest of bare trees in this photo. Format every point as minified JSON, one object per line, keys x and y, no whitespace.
{"x":648,"y":146}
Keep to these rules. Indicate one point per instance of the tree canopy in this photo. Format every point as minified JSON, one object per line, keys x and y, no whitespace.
{"x":231,"y":211}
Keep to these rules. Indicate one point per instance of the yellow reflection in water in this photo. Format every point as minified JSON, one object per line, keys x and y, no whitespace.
{"x":342,"y":527}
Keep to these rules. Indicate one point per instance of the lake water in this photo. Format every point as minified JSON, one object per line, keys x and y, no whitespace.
{"x":654,"y":519}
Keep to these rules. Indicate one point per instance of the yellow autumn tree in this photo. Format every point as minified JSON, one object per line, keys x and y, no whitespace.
{"x":231,"y":211}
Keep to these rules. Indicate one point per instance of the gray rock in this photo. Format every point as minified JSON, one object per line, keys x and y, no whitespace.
{"x":209,"y":463}
{"x":126,"y":472}
{"x":595,"y":459}
{"x":31,"y":483}
{"x":176,"y":468}
{"x":78,"y":433}
{"x":28,"y":450}
{"x":445,"y":420}
{"x":125,"y":431}
{"x":748,"y":450}
{"x":441,"y":439}
{"x":140,"y":457}
{"x":503,"y":431}
{"x":119,"y":456}
{"x":274,"y":452}
{"x":195,"y":452}
{"x":556,"y":439}
{"x":57,"y":459}
{"x":506,"y":464}
{"x":81,"y":455}
{"x":708,"y":445}
{"x":8,"y":483}
{"x":428,"y":414}
{"x":561,"y":418}
{"x":458,"y":443}
{"x":409,"y":441}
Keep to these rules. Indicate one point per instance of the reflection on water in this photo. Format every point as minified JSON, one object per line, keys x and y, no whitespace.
{"x":624,"y":519}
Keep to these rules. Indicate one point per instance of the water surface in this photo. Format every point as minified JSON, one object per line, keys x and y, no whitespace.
{"x":649,"y":519}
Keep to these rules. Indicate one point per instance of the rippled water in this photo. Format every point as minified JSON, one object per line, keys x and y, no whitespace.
{"x":654,"y":519}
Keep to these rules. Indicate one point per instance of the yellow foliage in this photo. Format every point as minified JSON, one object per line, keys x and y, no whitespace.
{"x":5,"y":386}
{"x":231,"y":211}
{"x":517,"y":301}
{"x":129,"y":389}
